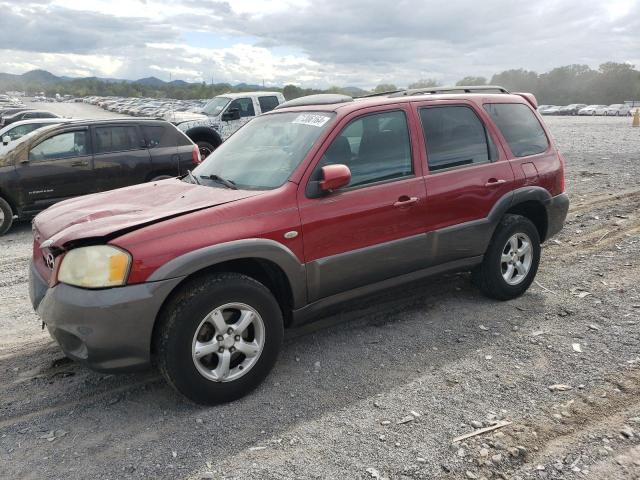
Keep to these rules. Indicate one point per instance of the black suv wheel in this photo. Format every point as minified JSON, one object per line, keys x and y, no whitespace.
{"x":6,"y":216}
{"x":511,"y":260}
{"x":219,"y":337}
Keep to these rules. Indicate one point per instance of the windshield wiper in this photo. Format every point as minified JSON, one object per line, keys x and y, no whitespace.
{"x":193,"y":177}
{"x":216,"y":178}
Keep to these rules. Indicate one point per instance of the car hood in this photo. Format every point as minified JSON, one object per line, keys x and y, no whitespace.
{"x":111,"y":213}
{"x":180,"y":117}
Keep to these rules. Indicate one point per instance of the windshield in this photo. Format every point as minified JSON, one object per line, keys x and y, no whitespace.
{"x":215,"y":106}
{"x":264,"y":153}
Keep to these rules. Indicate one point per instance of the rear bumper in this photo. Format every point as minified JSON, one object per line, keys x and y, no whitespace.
{"x":557,"y":209}
{"x":110,"y":329}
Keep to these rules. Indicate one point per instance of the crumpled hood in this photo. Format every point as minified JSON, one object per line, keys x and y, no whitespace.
{"x":180,"y":117}
{"x":107,"y":213}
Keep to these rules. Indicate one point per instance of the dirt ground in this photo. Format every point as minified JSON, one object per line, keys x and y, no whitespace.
{"x":380,"y":390}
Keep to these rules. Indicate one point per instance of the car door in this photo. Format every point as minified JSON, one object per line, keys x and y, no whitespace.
{"x":467,"y":174}
{"x":58,"y":167}
{"x":245,"y":107}
{"x":371,"y":229}
{"x":120,"y":156}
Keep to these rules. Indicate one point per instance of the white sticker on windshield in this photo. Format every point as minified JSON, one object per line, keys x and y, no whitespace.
{"x":312,"y":119}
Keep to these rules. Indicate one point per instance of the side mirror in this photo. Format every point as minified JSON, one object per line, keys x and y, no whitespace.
{"x":6,"y":139}
{"x":334,"y":177}
{"x":231,"y":114}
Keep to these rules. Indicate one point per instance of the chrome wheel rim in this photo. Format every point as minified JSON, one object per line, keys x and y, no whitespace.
{"x":228,"y":342}
{"x":205,"y":152}
{"x":1,"y":216}
{"x":516,"y":258}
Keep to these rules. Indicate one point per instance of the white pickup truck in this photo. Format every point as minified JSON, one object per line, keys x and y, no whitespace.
{"x":222,"y":116}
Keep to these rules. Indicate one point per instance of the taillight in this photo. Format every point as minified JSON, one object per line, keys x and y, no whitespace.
{"x":195,"y":155}
{"x":561,"y":173}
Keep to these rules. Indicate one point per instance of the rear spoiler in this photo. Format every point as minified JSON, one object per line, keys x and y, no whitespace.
{"x":529,"y":97}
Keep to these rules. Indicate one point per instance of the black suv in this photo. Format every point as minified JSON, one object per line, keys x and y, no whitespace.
{"x":86,"y":156}
{"x":25,"y":115}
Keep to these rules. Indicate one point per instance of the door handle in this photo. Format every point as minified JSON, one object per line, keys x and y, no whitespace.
{"x":80,"y":163}
{"x":492,"y":182}
{"x":405,"y":201}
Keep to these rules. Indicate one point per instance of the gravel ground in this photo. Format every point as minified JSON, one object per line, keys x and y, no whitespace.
{"x":382,"y":389}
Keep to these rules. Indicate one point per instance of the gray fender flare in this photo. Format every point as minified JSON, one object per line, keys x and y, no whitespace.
{"x":250,"y":248}
{"x":513,"y":198}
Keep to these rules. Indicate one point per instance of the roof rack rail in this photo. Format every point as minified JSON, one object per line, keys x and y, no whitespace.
{"x":380,"y":94}
{"x":453,"y":89}
{"x":318,"y":99}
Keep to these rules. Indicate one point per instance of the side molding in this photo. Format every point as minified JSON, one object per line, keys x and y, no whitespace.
{"x":250,"y":248}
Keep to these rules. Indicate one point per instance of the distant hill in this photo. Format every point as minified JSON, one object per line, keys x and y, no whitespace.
{"x":36,"y":81}
{"x":151,"y":82}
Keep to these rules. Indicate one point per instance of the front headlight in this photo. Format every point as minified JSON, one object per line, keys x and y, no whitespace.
{"x":97,"y":266}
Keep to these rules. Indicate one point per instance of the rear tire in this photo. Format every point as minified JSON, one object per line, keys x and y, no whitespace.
{"x":511,"y":260}
{"x":6,"y":216}
{"x":199,"y":341}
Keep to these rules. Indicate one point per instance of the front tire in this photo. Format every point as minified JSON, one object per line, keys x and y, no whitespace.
{"x":511,"y":260}
{"x":219,"y":337}
{"x":205,"y":148}
{"x":6,"y":216}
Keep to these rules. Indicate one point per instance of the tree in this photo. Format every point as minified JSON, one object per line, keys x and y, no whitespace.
{"x":385,"y":87}
{"x":469,"y":81}
{"x":291,"y":91}
{"x":425,"y":83}
{"x":519,"y":80}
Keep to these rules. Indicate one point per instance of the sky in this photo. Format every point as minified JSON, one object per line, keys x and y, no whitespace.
{"x":313,"y":44}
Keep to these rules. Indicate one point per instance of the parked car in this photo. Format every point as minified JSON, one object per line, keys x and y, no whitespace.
{"x":222,"y":116}
{"x":572,"y":109}
{"x":316,"y":202}
{"x":592,"y":110}
{"x":75,"y":158}
{"x":17,"y":130}
{"x":618,"y":110}
{"x":7,"y":111}
{"x":550,"y":110}
{"x":26,"y":115}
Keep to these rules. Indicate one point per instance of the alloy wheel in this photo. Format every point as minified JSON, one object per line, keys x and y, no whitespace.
{"x":228,"y":342}
{"x":516,"y":258}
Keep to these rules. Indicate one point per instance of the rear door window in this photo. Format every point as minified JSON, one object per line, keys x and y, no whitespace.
{"x":455,"y":137}
{"x":116,"y":139}
{"x":520,"y":128}
{"x":267,"y":103}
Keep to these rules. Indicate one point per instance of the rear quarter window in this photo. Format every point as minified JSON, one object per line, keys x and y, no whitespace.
{"x":520,"y":128}
{"x":153,"y":135}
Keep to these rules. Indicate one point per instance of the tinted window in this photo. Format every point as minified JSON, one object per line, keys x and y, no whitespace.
{"x":244,"y":105}
{"x":116,"y":139}
{"x":63,"y":145}
{"x":455,"y":137}
{"x":153,"y":135}
{"x":267,"y":103}
{"x":375,"y":148}
{"x":22,"y":130}
{"x":520,"y":128}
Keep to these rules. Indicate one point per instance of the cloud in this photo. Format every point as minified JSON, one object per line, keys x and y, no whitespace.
{"x":41,"y":28}
{"x":346,"y":42}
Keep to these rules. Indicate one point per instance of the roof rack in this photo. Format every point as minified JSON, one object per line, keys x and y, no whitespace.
{"x":319,"y":99}
{"x":453,"y":89}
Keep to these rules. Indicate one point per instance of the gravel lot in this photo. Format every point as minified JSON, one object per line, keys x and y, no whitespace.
{"x":380,"y":390}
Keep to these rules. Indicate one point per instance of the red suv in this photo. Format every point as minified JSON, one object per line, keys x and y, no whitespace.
{"x":323,"y":199}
